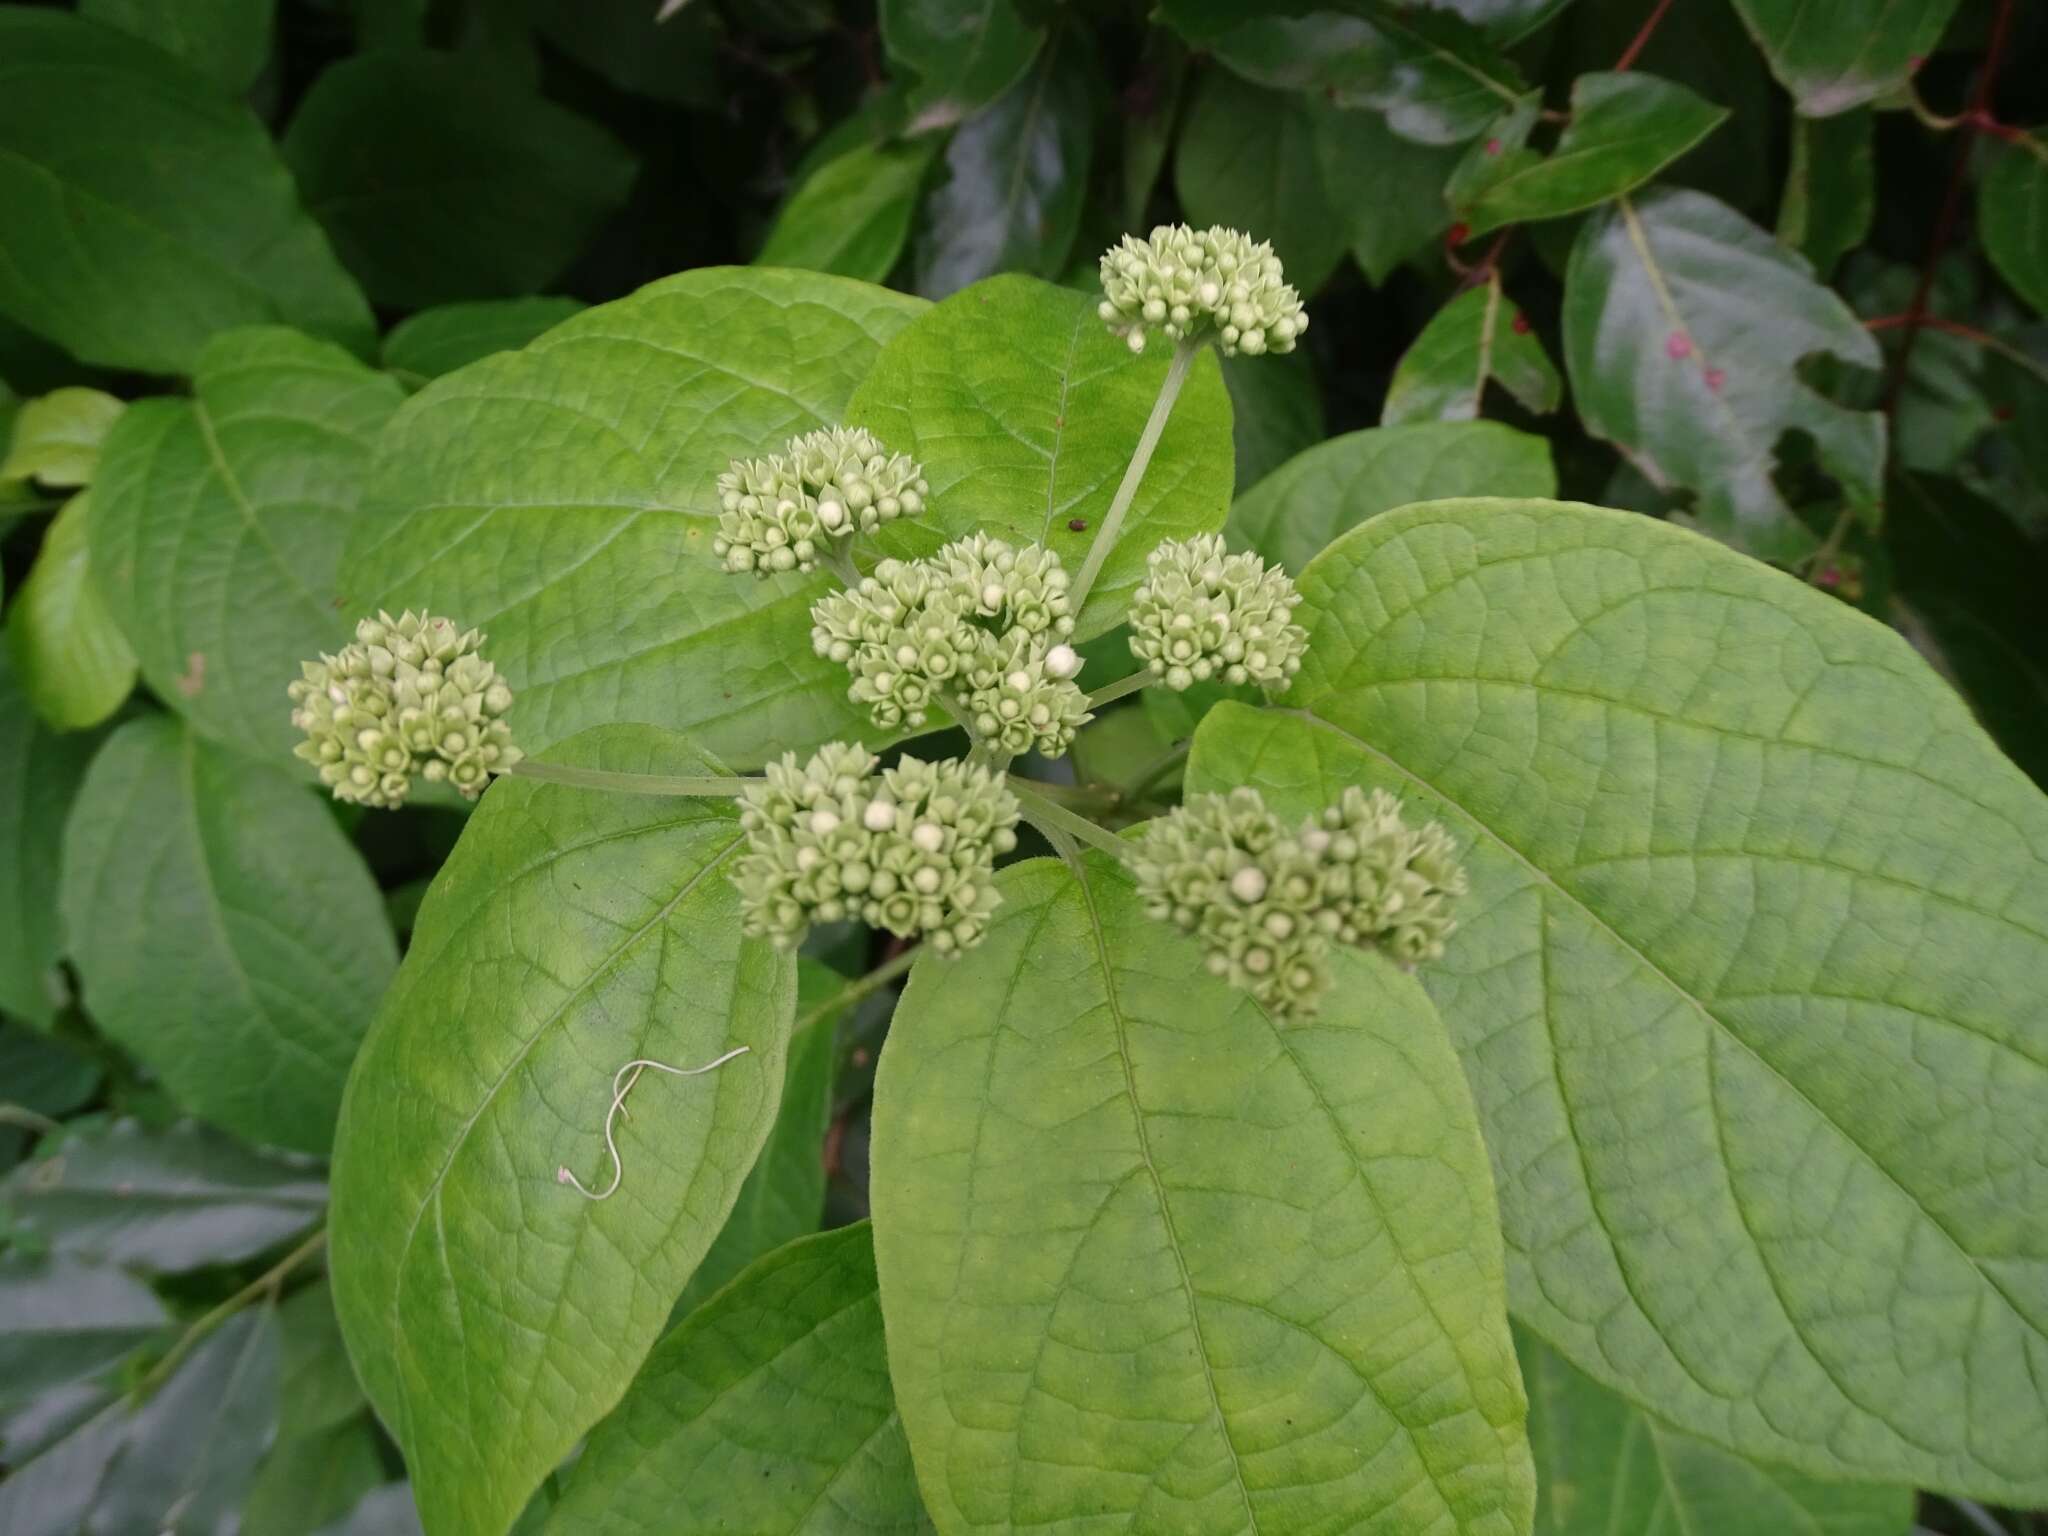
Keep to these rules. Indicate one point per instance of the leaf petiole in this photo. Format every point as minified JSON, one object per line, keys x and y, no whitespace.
{"x":1049,"y":816}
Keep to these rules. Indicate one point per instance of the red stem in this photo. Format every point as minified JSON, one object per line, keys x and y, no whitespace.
{"x":1641,"y":40}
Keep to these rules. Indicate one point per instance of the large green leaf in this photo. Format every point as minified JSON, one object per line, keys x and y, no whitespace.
{"x":852,"y":214}
{"x":40,"y":771}
{"x":564,"y":498}
{"x":1389,"y":191}
{"x":1836,"y":54}
{"x":1276,"y":411}
{"x":131,"y":259}
{"x":964,"y":55}
{"x":495,"y":1314}
{"x":1480,"y":335}
{"x":1624,"y":129}
{"x":2012,"y":207}
{"x":452,"y":336}
{"x":1152,"y":1261}
{"x":1749,"y":981}
{"x":440,"y":179}
{"x":1830,"y":195}
{"x":223,"y":930}
{"x":1024,"y":410}
{"x":1292,"y":513}
{"x":227,"y":40}
{"x":768,"y":1412}
{"x":1248,"y":157}
{"x":1604,"y":1466}
{"x":218,"y":523}
{"x":1015,"y":175}
{"x":1684,"y":329}
{"x":62,"y":1320}
{"x":67,"y":653}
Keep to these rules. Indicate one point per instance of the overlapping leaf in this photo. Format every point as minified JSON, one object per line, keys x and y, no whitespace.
{"x":452,"y":336}
{"x":227,"y":40}
{"x":1836,"y":54}
{"x":852,"y":214}
{"x":1480,"y":335}
{"x":964,"y":56}
{"x":1249,"y":158}
{"x":67,"y":654}
{"x":2012,"y":206}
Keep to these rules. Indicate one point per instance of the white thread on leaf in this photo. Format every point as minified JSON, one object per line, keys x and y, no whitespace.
{"x":619,"y":1092}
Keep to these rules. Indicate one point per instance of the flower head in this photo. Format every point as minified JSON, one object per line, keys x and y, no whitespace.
{"x":409,"y":697}
{"x":1269,"y":902}
{"x":1205,"y":614}
{"x":911,"y":849}
{"x":778,"y":513}
{"x":1189,"y":283}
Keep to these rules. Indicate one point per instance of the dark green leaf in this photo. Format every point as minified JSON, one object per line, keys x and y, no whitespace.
{"x":1148,"y":1256}
{"x":386,"y":1511}
{"x":1749,"y":972}
{"x":68,"y":655}
{"x":40,"y":771}
{"x":226,"y":40}
{"x":768,"y":1411}
{"x":1276,"y":410}
{"x":852,"y":214}
{"x":163,"y":1201}
{"x":218,"y":523}
{"x":1151,"y":112}
{"x":441,"y":180}
{"x":1389,"y":191}
{"x":99,"y":237}
{"x":1480,"y":335}
{"x":571,"y":933}
{"x":2012,"y":209}
{"x":1684,"y":327}
{"x":453,"y":336}
{"x":510,"y":495}
{"x":224,"y":931}
{"x":1015,"y":175}
{"x":1836,"y":54}
{"x":1023,"y":410}
{"x":62,"y":1319}
{"x":963,"y":53}
{"x":1291,"y":514}
{"x":43,"y":1076}
{"x":669,"y":57}
{"x":1831,"y":191}
{"x":1247,"y":158}
{"x":1624,"y":129}
{"x":307,"y":1481}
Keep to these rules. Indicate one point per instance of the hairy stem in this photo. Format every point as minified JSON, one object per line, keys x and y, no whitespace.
{"x":266,"y":1284}
{"x":629,"y":783}
{"x":1049,"y":816}
{"x":1109,"y":693}
{"x":1112,"y":524}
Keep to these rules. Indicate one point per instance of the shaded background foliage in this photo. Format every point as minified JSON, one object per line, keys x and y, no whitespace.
{"x":1775,"y":271}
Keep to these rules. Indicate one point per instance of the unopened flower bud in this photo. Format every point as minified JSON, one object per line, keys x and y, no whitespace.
{"x":1193,"y":283}
{"x":775,"y":512}
{"x":1203,"y":614}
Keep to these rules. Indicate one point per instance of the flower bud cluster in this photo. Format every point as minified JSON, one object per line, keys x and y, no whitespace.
{"x":912,"y":849}
{"x":1269,"y":902}
{"x":410,"y":697}
{"x":1204,"y":614}
{"x":779,"y":513}
{"x":981,"y":623}
{"x":1189,"y":282}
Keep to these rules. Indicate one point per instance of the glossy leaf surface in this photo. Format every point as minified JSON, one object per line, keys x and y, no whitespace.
{"x":1480,"y":335}
{"x":1836,"y":54}
{"x":852,"y":215}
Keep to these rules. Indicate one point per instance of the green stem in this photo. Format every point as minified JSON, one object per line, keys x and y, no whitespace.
{"x":1047,"y":815}
{"x":1158,"y":769}
{"x":854,"y":991}
{"x":839,"y":561}
{"x":266,"y":1283}
{"x":1109,"y":693}
{"x":1112,"y":524}
{"x":629,"y":783}
{"x":28,"y":1120}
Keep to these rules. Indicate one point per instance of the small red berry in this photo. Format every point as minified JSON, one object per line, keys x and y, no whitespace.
{"x":1521,"y":323}
{"x":1678,"y":345}
{"x":1459,"y":233}
{"x":1715,"y":379}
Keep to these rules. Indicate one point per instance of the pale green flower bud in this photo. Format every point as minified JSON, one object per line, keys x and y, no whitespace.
{"x":780,"y":512}
{"x":1193,"y":283}
{"x":411,"y":697}
{"x":1268,"y":902}
{"x":1203,"y":614}
{"x":912,"y":849}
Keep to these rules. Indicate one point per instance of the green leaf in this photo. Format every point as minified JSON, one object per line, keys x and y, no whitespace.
{"x":98,"y":236}
{"x":1024,"y":410}
{"x":68,"y":655}
{"x":639,"y":48}
{"x":56,"y":437}
{"x":517,"y":495}
{"x":1480,"y":335}
{"x":452,"y":336}
{"x":1684,"y":327}
{"x":1248,"y":158}
{"x":226,"y":40}
{"x":1624,"y":129}
{"x":308,"y":1481}
{"x":163,"y":1202}
{"x":441,"y":180}
{"x":783,"y":1197}
{"x":1126,"y":749}
{"x":386,"y":1511}
{"x":1830,"y":195}
{"x":218,"y":523}
{"x":62,"y":1320}
{"x":1748,"y":982}
{"x":852,"y":215}
{"x":1151,"y":1260}
{"x":1388,"y":191}
{"x":963,"y":53}
{"x":40,"y":771}
{"x":45,"y":1075}
{"x":224,"y":931}
{"x":493,"y":1313}
{"x":2012,"y":207}
{"x":1291,"y":514}
{"x":1015,"y":175}
{"x":768,"y":1411}
{"x":1836,"y":54}
{"x":1433,"y":74}
{"x":1603,"y":1465}
{"x":1151,"y":113}
{"x":1276,"y":411}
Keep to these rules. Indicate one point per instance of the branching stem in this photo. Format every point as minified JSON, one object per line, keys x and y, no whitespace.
{"x":1109,"y":693}
{"x":266,"y":1284}
{"x":1049,"y":816}
{"x":854,"y":991}
{"x":1155,"y":424}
